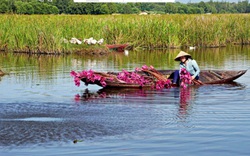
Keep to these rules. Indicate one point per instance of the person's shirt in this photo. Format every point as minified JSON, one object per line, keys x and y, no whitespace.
{"x":192,"y":67}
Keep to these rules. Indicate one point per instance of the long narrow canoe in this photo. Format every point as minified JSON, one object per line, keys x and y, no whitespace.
{"x":206,"y":77}
{"x":214,"y":76}
{"x":117,"y":47}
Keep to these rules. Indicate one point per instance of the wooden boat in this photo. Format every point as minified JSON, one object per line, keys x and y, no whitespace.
{"x":214,"y":76}
{"x":117,"y":47}
{"x":1,"y":73}
{"x":206,"y":77}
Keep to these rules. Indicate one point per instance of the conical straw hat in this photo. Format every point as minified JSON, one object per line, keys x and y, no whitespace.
{"x":181,"y":53}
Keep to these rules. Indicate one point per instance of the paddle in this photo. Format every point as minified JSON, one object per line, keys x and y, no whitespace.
{"x":197,"y":82}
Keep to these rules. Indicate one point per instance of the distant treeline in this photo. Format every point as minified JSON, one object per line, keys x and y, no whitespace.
{"x":70,"y":7}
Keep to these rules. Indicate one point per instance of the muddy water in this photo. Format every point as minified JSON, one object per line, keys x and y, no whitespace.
{"x":40,"y":114}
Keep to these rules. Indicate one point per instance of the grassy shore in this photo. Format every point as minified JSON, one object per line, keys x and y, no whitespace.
{"x":45,"y":33}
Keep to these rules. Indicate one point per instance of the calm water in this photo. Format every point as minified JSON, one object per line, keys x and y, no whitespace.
{"x":40,"y":115}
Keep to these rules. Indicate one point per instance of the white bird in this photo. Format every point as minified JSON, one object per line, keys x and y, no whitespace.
{"x":100,"y":41}
{"x":65,"y":40}
{"x":192,"y":48}
{"x":75,"y":41}
{"x":89,"y":41}
{"x":126,"y":52}
{"x":85,"y":40}
{"x":93,"y":41}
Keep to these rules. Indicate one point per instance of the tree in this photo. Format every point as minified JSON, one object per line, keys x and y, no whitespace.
{"x":81,"y":7}
{"x":55,"y":10}
{"x":27,"y":8}
{"x":62,"y":5}
{"x":18,"y":6}
{"x":112,"y":8}
{"x":242,"y":6}
{"x":97,"y":8}
{"x":171,"y":8}
{"x":248,"y":8}
{"x":135,"y":10}
{"x":104,"y":9}
{"x":72,"y":9}
{"x":38,"y":9}
{"x":3,"y":8}
{"x":183,"y":9}
{"x":127,"y":9}
{"x":211,"y":9}
{"x":158,"y":8}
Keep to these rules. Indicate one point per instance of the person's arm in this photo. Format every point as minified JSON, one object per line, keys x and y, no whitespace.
{"x":197,"y":69}
{"x":181,"y":66}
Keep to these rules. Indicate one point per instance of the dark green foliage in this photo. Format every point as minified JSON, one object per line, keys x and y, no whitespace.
{"x":70,"y":7}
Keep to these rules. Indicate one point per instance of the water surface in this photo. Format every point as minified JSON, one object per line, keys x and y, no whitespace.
{"x":40,"y":115}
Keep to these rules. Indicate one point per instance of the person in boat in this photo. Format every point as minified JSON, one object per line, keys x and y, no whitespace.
{"x":189,"y":64}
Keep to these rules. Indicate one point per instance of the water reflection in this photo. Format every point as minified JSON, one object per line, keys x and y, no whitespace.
{"x":186,"y":98}
{"x":186,"y":95}
{"x":42,"y":67}
{"x":113,"y":93}
{"x":32,"y":116}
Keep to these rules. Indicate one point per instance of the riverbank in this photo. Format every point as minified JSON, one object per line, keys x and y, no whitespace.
{"x":47,"y":33}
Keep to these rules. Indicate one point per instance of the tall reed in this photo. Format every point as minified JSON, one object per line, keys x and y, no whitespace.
{"x":45,"y":33}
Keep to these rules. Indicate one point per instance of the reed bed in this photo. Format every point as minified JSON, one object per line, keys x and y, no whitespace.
{"x":46,"y":33}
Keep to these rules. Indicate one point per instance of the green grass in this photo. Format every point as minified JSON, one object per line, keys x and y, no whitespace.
{"x":45,"y":33}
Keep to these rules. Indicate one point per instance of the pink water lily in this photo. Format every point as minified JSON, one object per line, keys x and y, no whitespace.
{"x":125,"y":76}
{"x":132,"y":77}
{"x":102,"y":81}
{"x":83,"y":73}
{"x":73,"y":73}
{"x":77,"y":81}
{"x":160,"y":84}
{"x":185,"y":78}
{"x":137,"y":69}
{"x":144,"y":67}
{"x":97,"y":77}
{"x":89,"y":75}
{"x":151,"y":67}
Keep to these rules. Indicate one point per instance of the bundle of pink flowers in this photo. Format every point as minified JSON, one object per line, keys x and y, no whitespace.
{"x":185,"y":78}
{"x":89,"y":76}
{"x":130,"y":77}
{"x":160,"y":83}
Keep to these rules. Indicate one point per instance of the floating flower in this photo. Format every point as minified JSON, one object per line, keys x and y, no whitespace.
{"x":144,"y":67}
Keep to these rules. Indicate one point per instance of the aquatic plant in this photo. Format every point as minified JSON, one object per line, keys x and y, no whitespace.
{"x":46,"y":33}
{"x":90,"y":76}
{"x":161,"y":81}
{"x":185,"y":78}
{"x":132,"y":77}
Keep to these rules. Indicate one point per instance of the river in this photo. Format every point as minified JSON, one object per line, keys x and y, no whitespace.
{"x":40,"y":113}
